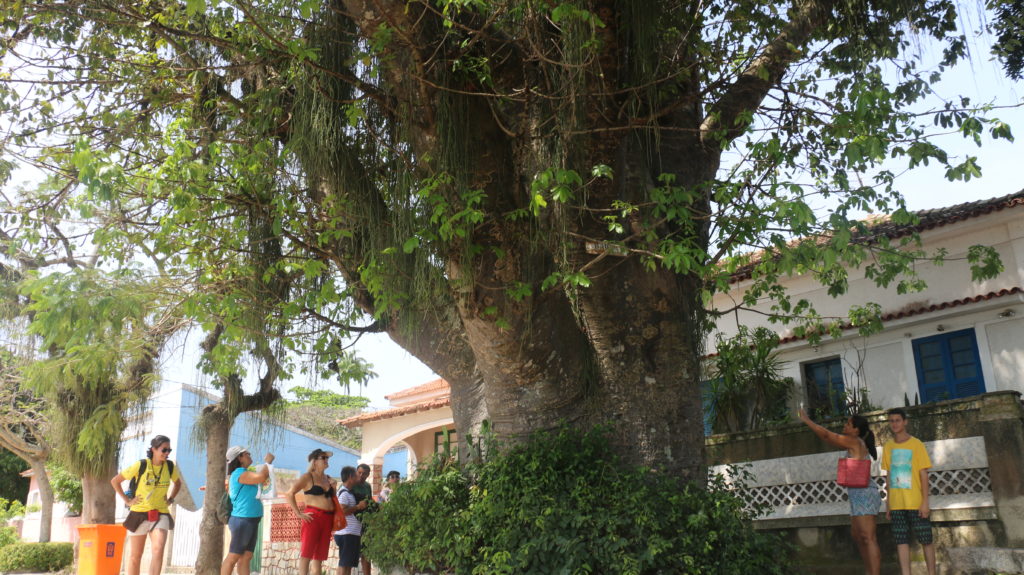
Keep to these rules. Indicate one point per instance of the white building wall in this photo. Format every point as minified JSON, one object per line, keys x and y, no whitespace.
{"x":886,"y":359}
{"x":1005,"y":341}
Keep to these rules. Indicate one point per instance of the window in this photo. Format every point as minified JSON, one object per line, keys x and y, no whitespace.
{"x":452,"y":438}
{"x":948,"y":366}
{"x":824,"y":384}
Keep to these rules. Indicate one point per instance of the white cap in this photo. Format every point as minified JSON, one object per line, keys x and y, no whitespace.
{"x":234,"y":452}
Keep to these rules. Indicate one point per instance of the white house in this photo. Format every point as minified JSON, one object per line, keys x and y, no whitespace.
{"x":420,"y":419}
{"x":958,"y":338}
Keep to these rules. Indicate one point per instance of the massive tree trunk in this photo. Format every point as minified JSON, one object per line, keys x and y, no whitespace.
{"x":624,"y":351}
{"x":502,"y":116}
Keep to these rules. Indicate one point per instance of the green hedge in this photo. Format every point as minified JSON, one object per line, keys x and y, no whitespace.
{"x":36,"y":557}
{"x":564,"y":503}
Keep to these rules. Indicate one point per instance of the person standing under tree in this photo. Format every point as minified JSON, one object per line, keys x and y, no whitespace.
{"x":859,"y":442}
{"x":393,"y":478}
{"x":907,"y":463}
{"x":349,"y":539}
{"x":246,"y":508}
{"x":317,"y":516}
{"x":157,"y":481}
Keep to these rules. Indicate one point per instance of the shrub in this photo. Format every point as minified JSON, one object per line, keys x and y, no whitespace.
{"x":419,"y":528}
{"x":8,"y":535}
{"x":563,"y":503}
{"x":67,"y":487}
{"x":10,"y":509}
{"x":36,"y":557}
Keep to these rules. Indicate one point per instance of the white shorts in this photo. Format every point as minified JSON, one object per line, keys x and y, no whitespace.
{"x":146,"y":526}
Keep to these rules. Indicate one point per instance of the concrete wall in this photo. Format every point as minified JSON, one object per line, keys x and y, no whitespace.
{"x":824,"y":541}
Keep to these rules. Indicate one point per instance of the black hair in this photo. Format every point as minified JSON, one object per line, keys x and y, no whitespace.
{"x":347,"y":472}
{"x":898,"y":411}
{"x":364,"y":466}
{"x":394,"y":473}
{"x":235,"y":463}
{"x":865,"y":433}
{"x":156,"y":442}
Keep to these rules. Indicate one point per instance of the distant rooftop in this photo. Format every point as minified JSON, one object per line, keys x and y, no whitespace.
{"x":882,"y":225}
{"x":431,"y":395}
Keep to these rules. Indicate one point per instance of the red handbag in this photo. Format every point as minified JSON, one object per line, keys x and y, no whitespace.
{"x":853,"y":472}
{"x":340,"y":521}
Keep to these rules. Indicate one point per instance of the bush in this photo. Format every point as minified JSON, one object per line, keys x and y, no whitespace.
{"x":8,"y":535}
{"x":420,"y":527}
{"x":10,"y":510}
{"x":67,"y":487}
{"x":36,"y":557}
{"x":563,"y":503}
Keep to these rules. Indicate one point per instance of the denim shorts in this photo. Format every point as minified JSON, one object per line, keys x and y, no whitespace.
{"x":244,"y":533}
{"x":864,"y":500}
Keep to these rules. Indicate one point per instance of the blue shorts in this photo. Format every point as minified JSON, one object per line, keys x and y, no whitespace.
{"x":348,"y":550}
{"x":864,"y":500}
{"x":245,"y":531}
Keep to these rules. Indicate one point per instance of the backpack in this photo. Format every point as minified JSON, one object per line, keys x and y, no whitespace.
{"x":223,"y":511}
{"x":134,"y":483}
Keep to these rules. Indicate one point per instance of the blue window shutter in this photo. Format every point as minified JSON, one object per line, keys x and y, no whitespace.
{"x":826,"y":378}
{"x":948,"y":366}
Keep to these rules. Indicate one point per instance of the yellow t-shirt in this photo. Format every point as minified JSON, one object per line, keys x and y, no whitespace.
{"x":904,"y":462}
{"x":152,"y":486}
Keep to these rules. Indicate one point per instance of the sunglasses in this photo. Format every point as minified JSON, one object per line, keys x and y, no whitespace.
{"x":166,"y":450}
{"x":323,"y":458}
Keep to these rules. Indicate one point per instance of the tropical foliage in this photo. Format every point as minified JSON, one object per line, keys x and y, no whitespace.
{"x":67,"y":487}
{"x":318,"y":411}
{"x":745,"y":389}
{"x":564,"y":503}
{"x":12,"y":485}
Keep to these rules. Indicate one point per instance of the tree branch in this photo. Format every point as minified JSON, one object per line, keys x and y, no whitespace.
{"x":724,"y":121}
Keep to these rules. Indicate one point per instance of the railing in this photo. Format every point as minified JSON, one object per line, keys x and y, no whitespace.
{"x":804,"y":486}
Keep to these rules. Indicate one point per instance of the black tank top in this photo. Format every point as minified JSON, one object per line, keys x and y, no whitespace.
{"x":318,"y":490}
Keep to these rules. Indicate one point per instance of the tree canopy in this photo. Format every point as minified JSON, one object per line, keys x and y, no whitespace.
{"x":534,"y":198}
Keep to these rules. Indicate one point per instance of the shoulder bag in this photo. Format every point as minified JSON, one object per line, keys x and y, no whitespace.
{"x":853,"y":472}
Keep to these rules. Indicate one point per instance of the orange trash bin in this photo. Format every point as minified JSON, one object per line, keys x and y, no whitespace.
{"x":100,"y":548}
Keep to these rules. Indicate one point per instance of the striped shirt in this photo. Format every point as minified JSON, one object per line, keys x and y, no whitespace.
{"x":353,"y":526}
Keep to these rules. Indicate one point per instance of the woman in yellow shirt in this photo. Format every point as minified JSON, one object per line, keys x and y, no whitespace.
{"x":149,"y":505}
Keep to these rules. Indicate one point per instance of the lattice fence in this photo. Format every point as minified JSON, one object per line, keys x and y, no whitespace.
{"x":943,"y":482}
{"x":959,"y":481}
